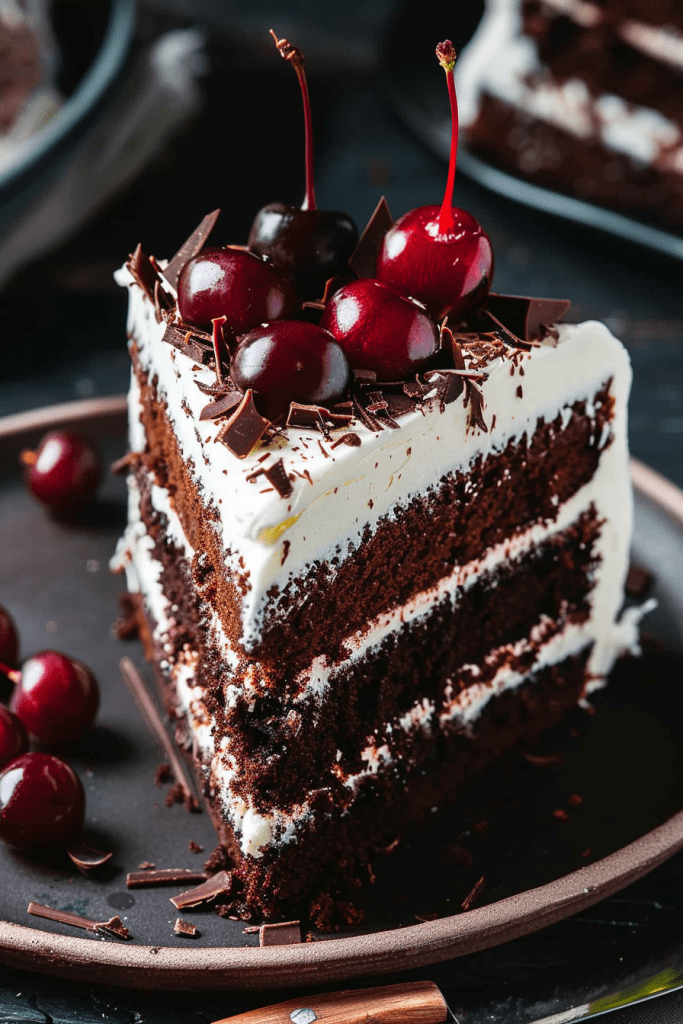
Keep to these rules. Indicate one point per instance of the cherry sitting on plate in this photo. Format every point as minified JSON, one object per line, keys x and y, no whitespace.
{"x":235,"y":284}
{"x":314,"y":244}
{"x":56,"y":698}
{"x":440,"y":255}
{"x":63,"y":472}
{"x":42,"y":803}
{"x":13,"y":737}
{"x":9,"y":640}
{"x":290,"y":361}
{"x":380,"y":330}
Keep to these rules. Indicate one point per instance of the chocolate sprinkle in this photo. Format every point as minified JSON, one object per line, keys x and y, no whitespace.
{"x":285,"y":933}
{"x":138,"y":691}
{"x":277,"y":476}
{"x":114,"y":926}
{"x":87,"y":858}
{"x":152,"y":878}
{"x":352,"y":440}
{"x":364,"y":257}
{"x":190,"y":248}
{"x":525,"y":316}
{"x":224,"y":405}
{"x":185,"y":928}
{"x":219,"y":885}
{"x":244,"y":429}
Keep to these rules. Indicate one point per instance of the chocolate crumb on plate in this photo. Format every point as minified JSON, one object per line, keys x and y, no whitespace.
{"x":219,"y":885}
{"x":285,"y":933}
{"x":162,"y":774}
{"x":186,"y":928}
{"x":222,"y":407}
{"x":152,"y":877}
{"x":195,"y":847}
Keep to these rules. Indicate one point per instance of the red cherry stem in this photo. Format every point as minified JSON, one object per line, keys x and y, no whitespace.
{"x":296,"y":59}
{"x":446,"y":54}
{"x":13,"y":674}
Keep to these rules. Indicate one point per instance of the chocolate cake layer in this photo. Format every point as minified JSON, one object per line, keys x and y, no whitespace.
{"x":458,"y":521}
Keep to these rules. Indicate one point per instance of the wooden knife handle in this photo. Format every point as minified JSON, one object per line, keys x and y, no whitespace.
{"x":416,"y":1002}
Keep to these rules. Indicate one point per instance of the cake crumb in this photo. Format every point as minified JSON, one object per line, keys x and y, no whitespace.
{"x":217,"y":861}
{"x":162,"y":774}
{"x":175,"y":795}
{"x":195,"y":847}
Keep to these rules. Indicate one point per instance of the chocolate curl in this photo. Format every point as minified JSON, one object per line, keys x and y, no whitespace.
{"x":218,"y":341}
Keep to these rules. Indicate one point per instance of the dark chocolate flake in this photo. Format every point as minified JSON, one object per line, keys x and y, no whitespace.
{"x":473,"y":893}
{"x":184,"y":341}
{"x":244,"y":429}
{"x":219,"y":885}
{"x":307,"y":416}
{"x":525,"y":316}
{"x":364,"y":257}
{"x":186,"y":929}
{"x":140,"y":266}
{"x":190,"y":248}
{"x":351,"y":439}
{"x":476,"y":400}
{"x":277,"y":476}
{"x":222,"y":407}
{"x":284,"y":933}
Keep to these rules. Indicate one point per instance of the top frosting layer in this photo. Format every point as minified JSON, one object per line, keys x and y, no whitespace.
{"x":338,"y":493}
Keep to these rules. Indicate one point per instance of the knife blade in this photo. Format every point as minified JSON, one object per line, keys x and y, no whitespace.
{"x":422,"y":1002}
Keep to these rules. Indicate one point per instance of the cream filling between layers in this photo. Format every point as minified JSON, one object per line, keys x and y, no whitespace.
{"x":342,"y":492}
{"x":500,"y":58}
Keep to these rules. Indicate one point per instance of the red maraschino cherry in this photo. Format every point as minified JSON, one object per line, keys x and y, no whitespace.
{"x":235,"y":284}
{"x":42,"y":803}
{"x":314,"y":244}
{"x":56,"y":698}
{"x":380,"y":330}
{"x":290,"y":361}
{"x":63,"y":472}
{"x":440,"y":255}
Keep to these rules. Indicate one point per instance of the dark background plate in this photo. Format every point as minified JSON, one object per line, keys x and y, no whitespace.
{"x":417,"y":94}
{"x":624,"y":762}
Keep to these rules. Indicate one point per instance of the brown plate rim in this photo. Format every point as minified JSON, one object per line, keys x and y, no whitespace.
{"x":342,"y":958}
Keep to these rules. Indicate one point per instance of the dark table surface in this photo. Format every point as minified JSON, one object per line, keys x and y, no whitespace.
{"x":62,"y":328}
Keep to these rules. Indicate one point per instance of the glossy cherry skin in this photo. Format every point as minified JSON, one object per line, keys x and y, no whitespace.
{"x":42,"y":802}
{"x":9,"y":640}
{"x":13,"y":737}
{"x":450,"y":273}
{"x":56,"y":698}
{"x":64,"y":472}
{"x":235,"y":284}
{"x":290,"y":361}
{"x":380,"y":330}
{"x":313,"y":244}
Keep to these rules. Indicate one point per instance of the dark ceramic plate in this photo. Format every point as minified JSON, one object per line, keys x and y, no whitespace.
{"x":625,"y":763}
{"x":417,"y":95}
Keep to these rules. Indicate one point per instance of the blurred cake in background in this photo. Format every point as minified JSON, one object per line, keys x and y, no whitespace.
{"x":582,"y":96}
{"x":28,"y":98}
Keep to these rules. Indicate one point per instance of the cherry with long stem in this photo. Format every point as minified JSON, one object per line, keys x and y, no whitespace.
{"x":447,"y":56}
{"x":294,"y":56}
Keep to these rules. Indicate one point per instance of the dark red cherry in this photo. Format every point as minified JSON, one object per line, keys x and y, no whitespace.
{"x":313,"y":244}
{"x":56,"y":698}
{"x":380,"y":330}
{"x":290,"y":361}
{"x":9,"y":639}
{"x":13,"y":737}
{"x":41,"y":802}
{"x":449,"y":271}
{"x":64,"y":471}
{"x":440,"y":255}
{"x":235,"y":284}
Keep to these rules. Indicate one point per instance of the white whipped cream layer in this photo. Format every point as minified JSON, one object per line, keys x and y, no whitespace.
{"x":342,"y":492}
{"x":503,"y":62}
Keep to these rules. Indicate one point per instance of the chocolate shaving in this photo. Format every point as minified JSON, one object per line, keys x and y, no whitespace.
{"x":476,"y":400}
{"x":304,"y":415}
{"x":219,"y":885}
{"x":152,"y":878}
{"x":121,"y":466}
{"x":185,"y":928}
{"x":352,"y":440}
{"x":162,"y":302}
{"x":187,"y":343}
{"x":138,"y":691}
{"x":224,"y":405}
{"x":364,"y":257}
{"x":365,"y":417}
{"x":87,"y":858}
{"x":638,"y":581}
{"x":506,"y":335}
{"x":449,"y":382}
{"x":277,"y":476}
{"x":524,"y":316}
{"x":140,"y":266}
{"x":244,"y":429}
{"x":473,"y":893}
{"x":218,"y":342}
{"x":114,"y":926}
{"x":190,"y":248}
{"x":285,"y":933}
